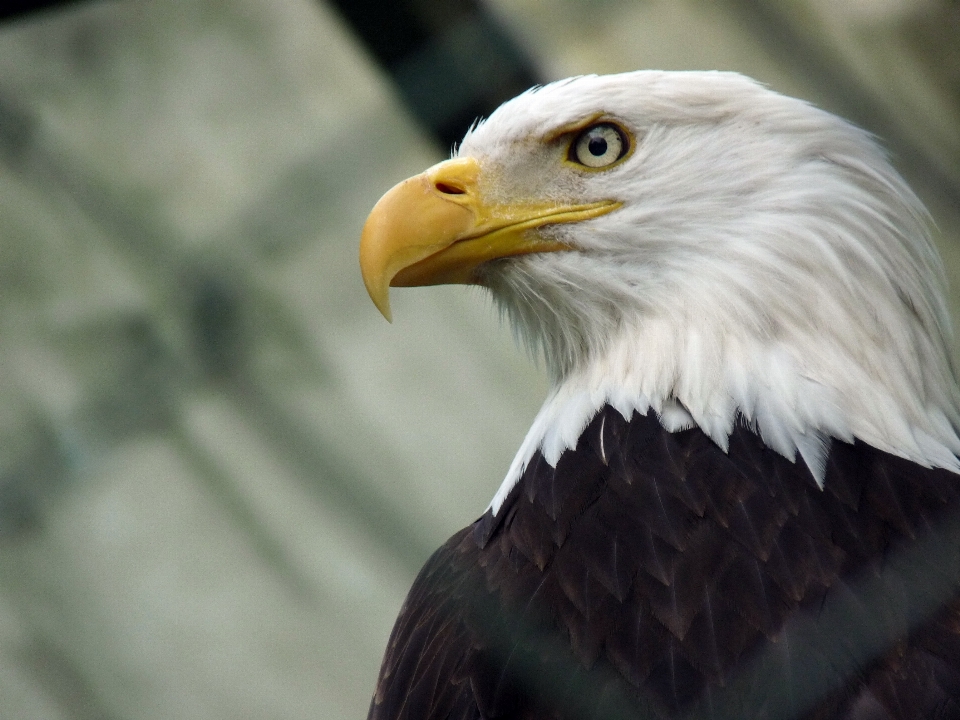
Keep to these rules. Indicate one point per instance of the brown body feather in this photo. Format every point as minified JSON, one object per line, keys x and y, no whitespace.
{"x":653,"y":575}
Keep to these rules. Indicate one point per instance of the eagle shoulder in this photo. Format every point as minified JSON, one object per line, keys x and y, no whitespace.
{"x":652,"y":574}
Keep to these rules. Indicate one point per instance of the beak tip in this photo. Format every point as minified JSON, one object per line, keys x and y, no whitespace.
{"x":377,"y":284}
{"x":381,"y":298}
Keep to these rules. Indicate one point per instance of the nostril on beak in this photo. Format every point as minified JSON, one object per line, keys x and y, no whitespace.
{"x":448,"y":189}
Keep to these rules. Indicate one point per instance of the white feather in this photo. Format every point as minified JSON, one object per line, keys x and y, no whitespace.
{"x":767,"y":264}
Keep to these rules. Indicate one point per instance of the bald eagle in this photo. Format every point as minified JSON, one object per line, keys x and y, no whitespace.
{"x":740,"y":498}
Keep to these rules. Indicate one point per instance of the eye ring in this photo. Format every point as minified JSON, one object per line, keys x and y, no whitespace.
{"x":599,"y":146}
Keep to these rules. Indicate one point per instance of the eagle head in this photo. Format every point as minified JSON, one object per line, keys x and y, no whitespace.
{"x":695,"y":243}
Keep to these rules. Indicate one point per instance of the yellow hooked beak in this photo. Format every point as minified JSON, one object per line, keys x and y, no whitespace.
{"x":435,"y":228}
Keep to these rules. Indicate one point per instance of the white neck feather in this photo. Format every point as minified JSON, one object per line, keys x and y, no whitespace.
{"x":788,"y":400}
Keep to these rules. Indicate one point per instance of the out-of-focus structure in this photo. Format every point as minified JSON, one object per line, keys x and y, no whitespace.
{"x":219,"y":467}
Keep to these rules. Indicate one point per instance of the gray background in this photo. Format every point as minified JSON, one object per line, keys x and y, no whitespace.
{"x":197,"y":528}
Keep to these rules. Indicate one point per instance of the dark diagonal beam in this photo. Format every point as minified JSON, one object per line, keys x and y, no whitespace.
{"x":16,"y":9}
{"x":451,"y":60}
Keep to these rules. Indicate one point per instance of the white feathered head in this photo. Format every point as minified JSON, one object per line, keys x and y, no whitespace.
{"x":696,"y":243}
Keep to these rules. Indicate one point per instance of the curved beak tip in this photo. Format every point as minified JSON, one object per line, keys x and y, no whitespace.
{"x":373,"y":267}
{"x":379,"y":293}
{"x":384,"y":307}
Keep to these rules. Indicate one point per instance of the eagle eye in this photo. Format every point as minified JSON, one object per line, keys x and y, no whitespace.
{"x":599,"y":146}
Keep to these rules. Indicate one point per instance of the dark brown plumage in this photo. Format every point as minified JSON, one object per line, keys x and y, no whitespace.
{"x":653,"y":575}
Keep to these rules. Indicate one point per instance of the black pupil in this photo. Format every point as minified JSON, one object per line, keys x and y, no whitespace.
{"x":597,"y":146}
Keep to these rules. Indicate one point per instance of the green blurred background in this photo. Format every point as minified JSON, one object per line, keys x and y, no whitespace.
{"x":220,"y":468}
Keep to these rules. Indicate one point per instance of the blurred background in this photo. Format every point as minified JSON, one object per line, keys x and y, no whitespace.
{"x":220,"y":468}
